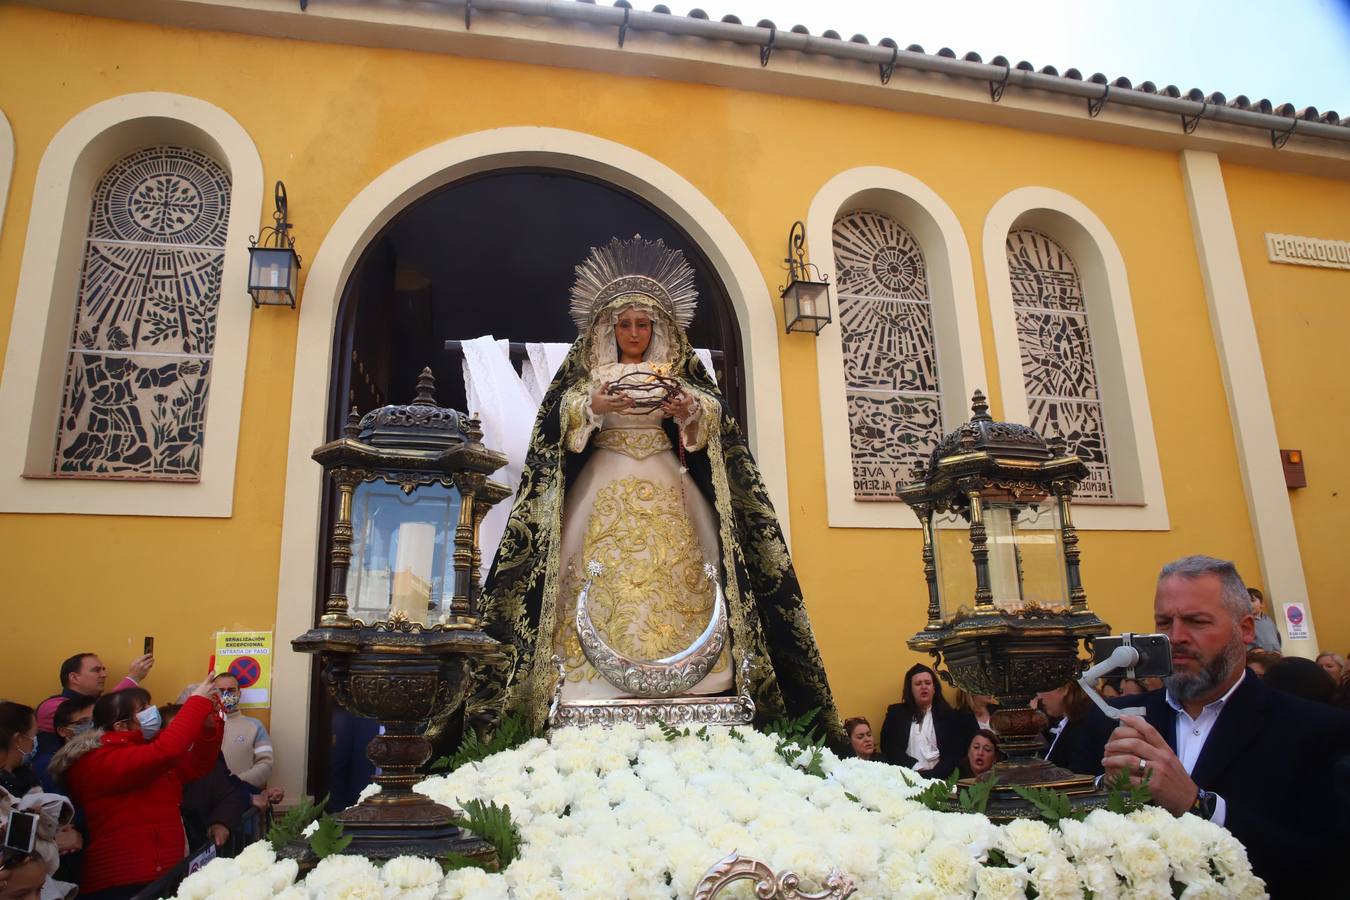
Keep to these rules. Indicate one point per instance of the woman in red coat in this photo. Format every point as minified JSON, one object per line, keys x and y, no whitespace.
{"x":128,"y":776}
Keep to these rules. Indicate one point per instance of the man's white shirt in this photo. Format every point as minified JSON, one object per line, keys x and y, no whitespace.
{"x":1192,"y":734}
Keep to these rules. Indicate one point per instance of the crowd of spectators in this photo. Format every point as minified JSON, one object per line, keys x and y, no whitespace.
{"x":124,"y":790}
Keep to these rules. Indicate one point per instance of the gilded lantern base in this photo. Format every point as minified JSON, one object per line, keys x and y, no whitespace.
{"x":406,"y":677}
{"x":379,"y":834}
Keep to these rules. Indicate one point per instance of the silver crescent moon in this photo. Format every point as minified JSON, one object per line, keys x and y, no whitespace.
{"x":667,"y":677}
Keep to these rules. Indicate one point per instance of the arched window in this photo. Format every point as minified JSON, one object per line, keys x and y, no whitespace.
{"x":1059,"y":370}
{"x":889,"y":353}
{"x":140,"y":355}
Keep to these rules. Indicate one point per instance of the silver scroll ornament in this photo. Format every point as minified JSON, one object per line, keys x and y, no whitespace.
{"x":768,"y":885}
{"x":669,"y":676}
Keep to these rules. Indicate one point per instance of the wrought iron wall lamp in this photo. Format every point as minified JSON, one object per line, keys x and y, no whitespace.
{"x":273,"y":264}
{"x":806,"y":299}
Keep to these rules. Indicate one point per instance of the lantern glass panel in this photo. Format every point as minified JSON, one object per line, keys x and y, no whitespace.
{"x":807,"y":305}
{"x":956,"y":569}
{"x":402,"y":551}
{"x":273,"y":275}
{"x":1026,"y":556}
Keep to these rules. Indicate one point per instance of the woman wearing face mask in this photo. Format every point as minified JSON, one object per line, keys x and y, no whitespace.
{"x":128,"y":776}
{"x":16,"y":763}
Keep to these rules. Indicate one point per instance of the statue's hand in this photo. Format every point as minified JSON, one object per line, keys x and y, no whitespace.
{"x":603,"y":400}
{"x":678,"y":405}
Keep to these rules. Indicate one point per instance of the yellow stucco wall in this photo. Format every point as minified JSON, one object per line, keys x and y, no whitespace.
{"x":346,"y":114}
{"x":1302,"y":318}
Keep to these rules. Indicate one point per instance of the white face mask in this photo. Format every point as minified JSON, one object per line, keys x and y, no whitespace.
{"x":149,"y":721}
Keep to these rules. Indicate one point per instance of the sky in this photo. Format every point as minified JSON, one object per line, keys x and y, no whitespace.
{"x":1295,"y":51}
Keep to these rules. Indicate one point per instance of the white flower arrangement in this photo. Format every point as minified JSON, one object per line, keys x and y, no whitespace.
{"x":628,"y":813}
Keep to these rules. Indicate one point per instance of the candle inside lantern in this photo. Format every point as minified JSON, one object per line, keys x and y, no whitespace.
{"x":411,"y":588}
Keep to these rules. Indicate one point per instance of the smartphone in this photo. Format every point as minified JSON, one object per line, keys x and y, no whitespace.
{"x":21,"y":831}
{"x":1155,"y":653}
{"x":149,"y":646}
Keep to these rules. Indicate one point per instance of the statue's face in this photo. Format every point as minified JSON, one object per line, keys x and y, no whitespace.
{"x":633,"y":332}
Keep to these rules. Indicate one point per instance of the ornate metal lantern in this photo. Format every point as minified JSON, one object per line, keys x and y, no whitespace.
{"x":273,"y":264}
{"x":412,"y":489}
{"x":806,"y":299}
{"x":1006,"y":606}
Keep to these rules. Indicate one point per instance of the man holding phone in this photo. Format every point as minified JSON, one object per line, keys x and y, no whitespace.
{"x":1217,"y":743}
{"x":85,"y":675}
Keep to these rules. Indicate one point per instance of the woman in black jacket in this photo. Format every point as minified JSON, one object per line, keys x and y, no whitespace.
{"x":922,"y":732}
{"x":1077,"y":739}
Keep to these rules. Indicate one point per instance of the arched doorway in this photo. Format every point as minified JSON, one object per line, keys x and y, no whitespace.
{"x":492,"y":254}
{"x":361,"y":221}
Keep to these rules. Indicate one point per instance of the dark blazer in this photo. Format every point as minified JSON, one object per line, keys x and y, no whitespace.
{"x":217,"y":798}
{"x":1080,"y":745}
{"x":1271,"y":756}
{"x":953,"y":729}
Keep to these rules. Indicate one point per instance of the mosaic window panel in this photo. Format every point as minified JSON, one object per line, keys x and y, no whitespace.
{"x":890,"y":356}
{"x":1055,"y":342}
{"x":139,"y":365}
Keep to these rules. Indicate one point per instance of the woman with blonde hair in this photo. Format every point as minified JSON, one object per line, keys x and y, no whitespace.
{"x":981,"y":706}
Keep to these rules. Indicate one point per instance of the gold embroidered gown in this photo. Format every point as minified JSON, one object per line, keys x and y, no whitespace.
{"x":632,"y":510}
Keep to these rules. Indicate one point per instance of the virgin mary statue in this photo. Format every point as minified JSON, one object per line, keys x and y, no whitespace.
{"x":639,"y":482}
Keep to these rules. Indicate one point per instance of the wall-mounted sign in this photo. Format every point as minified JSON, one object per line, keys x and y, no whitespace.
{"x":1307,"y":251}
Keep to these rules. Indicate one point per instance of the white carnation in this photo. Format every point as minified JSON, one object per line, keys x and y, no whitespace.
{"x":1056,"y":879}
{"x":246,"y":887}
{"x":411,"y":872}
{"x":282,"y":874}
{"x":949,"y":868}
{"x":256,"y":857}
{"x":369,"y":790}
{"x":334,"y":869}
{"x":356,"y":888}
{"x":1141,"y":861}
{"x":1025,"y":839}
{"x":207,"y":880}
{"x":1204,"y":888}
{"x":1084,"y":842}
{"x":1001,"y":883}
{"x":1245,"y":886}
{"x":1152,"y":819}
{"x":1184,"y":848}
{"x":1099,"y":876}
{"x":1230,"y":857}
{"x":915,"y":832}
{"x":473,"y":884}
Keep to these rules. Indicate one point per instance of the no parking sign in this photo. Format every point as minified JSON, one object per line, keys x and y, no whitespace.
{"x":247,"y":655}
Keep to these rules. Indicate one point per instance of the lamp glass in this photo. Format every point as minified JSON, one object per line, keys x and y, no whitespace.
{"x":403,"y":547}
{"x":273,"y":274}
{"x":806,"y":305}
{"x":956,"y":570}
{"x":1026,"y":556}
